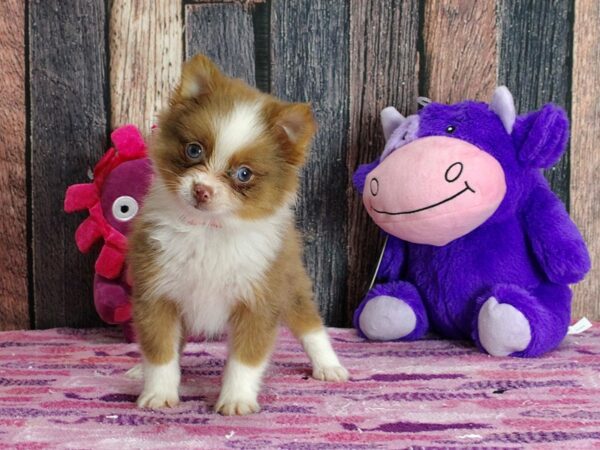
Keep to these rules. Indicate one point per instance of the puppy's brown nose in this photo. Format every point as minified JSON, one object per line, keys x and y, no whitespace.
{"x":203,"y":193}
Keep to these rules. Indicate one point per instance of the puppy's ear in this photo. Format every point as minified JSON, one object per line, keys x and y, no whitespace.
{"x":199,"y":76}
{"x":295,"y":126}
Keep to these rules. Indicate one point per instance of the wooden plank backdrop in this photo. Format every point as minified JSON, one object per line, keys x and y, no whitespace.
{"x":68,"y":120}
{"x":145,"y":58}
{"x":535,"y":55}
{"x":73,"y":72}
{"x":585,"y":158}
{"x":459,"y":59}
{"x":209,"y":28}
{"x":14,"y":310}
{"x":310,"y":62}
{"x":383,"y":72}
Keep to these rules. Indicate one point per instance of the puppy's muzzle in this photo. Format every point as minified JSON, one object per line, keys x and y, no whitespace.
{"x":203,"y":193}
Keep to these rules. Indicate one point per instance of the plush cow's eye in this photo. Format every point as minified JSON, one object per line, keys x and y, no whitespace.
{"x":450,"y":129}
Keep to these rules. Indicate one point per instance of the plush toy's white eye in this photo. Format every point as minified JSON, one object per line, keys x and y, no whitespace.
{"x":125,"y":208}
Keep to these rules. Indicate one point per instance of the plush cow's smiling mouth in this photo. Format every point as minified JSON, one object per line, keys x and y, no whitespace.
{"x":467,"y":188}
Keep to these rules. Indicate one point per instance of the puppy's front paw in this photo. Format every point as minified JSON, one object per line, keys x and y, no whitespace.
{"x":158,"y":399}
{"x":237,"y":407}
{"x":330,"y":373}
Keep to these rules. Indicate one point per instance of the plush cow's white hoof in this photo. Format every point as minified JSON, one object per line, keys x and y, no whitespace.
{"x":386,"y":318}
{"x":502,"y":328}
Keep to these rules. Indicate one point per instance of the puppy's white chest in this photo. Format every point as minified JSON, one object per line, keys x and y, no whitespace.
{"x":207,"y":270}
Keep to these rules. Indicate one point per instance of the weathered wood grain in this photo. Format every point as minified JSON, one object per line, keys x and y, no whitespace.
{"x":310,"y":59}
{"x":225,"y":33}
{"x":145,"y":58}
{"x":14,"y":309}
{"x":69,"y":88}
{"x":535,"y":62}
{"x":245,"y":3}
{"x":383,"y":72}
{"x":459,"y":39}
{"x":585,"y":158}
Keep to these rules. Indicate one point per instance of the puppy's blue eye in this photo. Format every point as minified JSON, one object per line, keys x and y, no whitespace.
{"x":194,"y":151}
{"x":243,"y":174}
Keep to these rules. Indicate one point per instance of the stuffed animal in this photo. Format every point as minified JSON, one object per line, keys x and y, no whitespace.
{"x":120,"y":182}
{"x":478,"y":245}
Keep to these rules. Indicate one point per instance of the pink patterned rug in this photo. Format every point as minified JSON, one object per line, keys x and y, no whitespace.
{"x":67,"y":388}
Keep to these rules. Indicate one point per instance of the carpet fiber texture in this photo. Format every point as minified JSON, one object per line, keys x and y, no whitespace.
{"x":67,"y":388}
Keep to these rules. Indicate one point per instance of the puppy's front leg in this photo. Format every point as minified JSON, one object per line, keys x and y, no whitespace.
{"x":251,"y":338}
{"x":158,"y":325}
{"x":304,"y":321}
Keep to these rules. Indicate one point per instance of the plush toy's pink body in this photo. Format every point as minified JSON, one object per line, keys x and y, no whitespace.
{"x":121,"y":180}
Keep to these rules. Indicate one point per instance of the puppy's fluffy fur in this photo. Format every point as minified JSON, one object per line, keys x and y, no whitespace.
{"x":214,"y":246}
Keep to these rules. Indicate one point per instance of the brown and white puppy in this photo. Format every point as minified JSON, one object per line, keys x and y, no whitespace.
{"x":214,"y":247}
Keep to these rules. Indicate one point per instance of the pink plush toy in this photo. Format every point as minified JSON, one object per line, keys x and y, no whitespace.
{"x":121,"y":180}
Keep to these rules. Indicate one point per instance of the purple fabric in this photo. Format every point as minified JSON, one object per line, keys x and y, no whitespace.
{"x":125,"y":186}
{"x":68,"y":389}
{"x":361,"y":173}
{"x":405,"y":133}
{"x":111,"y":299}
{"x":131,"y":178}
{"x":393,"y":257}
{"x":529,"y":243}
{"x":109,"y":296}
{"x":541,"y":136}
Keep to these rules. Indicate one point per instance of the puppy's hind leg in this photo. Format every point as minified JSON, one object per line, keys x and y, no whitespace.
{"x":304,"y":321}
{"x":159,"y":330}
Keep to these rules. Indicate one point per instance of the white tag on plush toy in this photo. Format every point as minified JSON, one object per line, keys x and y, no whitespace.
{"x":582,"y":325}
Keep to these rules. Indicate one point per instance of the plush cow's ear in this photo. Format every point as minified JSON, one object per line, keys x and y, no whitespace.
{"x":541,"y":136}
{"x":390,"y":120}
{"x":504,"y":106}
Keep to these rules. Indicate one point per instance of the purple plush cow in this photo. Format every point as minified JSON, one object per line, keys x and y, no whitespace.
{"x":478,"y":245}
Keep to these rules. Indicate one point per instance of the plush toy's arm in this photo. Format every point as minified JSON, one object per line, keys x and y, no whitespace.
{"x":555,"y":239}
{"x":392,"y":260}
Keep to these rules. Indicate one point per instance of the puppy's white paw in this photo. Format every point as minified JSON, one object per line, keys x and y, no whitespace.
{"x":331,"y":373}
{"x":158,"y":399}
{"x":237,"y":406}
{"x":241,"y":383}
{"x":136,"y":372}
{"x":326,"y":365}
{"x":161,"y":385}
